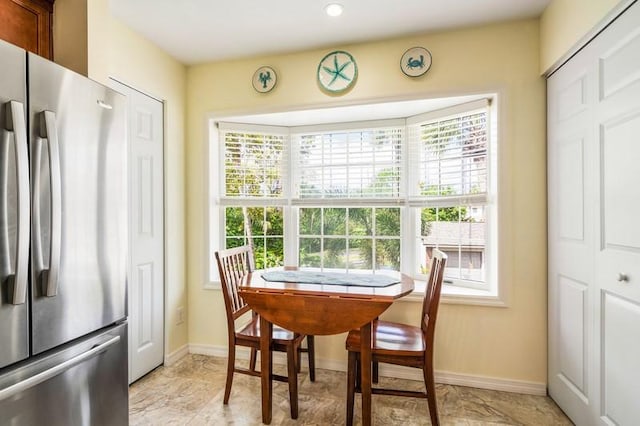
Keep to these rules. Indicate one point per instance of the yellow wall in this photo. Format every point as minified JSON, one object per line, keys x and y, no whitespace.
{"x":118,"y":52}
{"x":507,"y":342}
{"x":70,"y":34}
{"x":565,"y":22}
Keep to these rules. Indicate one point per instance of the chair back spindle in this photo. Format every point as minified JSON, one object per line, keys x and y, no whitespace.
{"x":432,"y":295}
{"x":234,"y":264}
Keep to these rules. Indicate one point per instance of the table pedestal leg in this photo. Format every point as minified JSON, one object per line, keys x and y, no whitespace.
{"x":266,"y":368}
{"x":365,"y":370}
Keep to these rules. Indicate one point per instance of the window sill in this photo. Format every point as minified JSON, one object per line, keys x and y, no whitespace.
{"x":450,"y":295}
{"x":458,"y":295}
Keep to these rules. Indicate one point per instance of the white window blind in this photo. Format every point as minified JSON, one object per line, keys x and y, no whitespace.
{"x":356,"y":163}
{"x":450,"y":157}
{"x":255,"y":161}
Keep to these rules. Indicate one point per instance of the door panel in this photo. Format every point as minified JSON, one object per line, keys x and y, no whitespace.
{"x":79,"y":204}
{"x":572,"y":312}
{"x":620,"y":355}
{"x":14,"y":325}
{"x":619,"y":150}
{"x":146,"y":294}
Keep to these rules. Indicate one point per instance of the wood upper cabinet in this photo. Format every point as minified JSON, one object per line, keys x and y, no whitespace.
{"x":28,"y":24}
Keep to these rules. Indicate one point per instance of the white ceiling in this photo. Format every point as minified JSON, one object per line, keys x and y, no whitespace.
{"x":197,"y":31}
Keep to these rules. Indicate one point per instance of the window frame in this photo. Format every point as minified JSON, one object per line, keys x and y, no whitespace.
{"x":409,"y":215}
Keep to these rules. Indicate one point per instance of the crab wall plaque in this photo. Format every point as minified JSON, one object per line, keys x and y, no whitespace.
{"x":415,"y":61}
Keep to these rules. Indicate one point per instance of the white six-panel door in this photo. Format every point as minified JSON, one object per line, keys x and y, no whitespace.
{"x":594,"y":231}
{"x":146,"y":232}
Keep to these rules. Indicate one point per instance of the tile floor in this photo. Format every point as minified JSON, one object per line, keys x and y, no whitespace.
{"x":190,"y":392}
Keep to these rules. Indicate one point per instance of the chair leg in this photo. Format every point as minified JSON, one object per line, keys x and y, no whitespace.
{"x":311,"y":352}
{"x":231,"y":366}
{"x":252,"y":359}
{"x":374,"y":372}
{"x":293,"y":380}
{"x":429,"y":383}
{"x":351,"y":386}
{"x":358,"y":373}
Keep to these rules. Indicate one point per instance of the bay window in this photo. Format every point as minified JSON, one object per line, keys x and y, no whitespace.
{"x":375,"y":196}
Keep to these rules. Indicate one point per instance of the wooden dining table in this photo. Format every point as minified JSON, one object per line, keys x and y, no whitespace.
{"x":318,"y":309}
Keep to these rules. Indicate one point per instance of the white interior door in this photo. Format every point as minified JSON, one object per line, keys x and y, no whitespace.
{"x":146,"y":232}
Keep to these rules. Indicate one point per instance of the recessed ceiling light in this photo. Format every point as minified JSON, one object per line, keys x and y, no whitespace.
{"x":333,"y":9}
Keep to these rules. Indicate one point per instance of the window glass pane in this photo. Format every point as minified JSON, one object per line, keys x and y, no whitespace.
{"x":388,"y":254}
{"x":388,"y":222}
{"x":268,"y":252}
{"x":350,"y":164}
{"x":335,"y":221}
{"x":234,"y":242}
{"x":310,"y":250}
{"x":234,"y":222}
{"x":274,"y":252}
{"x":274,"y":222}
{"x":253,"y":164}
{"x":265,"y":231}
{"x":310,"y":221}
{"x":458,"y":231}
{"x":361,"y":253}
{"x":453,"y":155}
{"x":360,"y":221}
{"x":255,"y":217}
{"x":335,"y":253}
{"x":259,"y":251}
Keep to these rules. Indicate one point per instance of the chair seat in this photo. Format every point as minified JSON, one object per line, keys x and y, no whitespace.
{"x":252,"y":331}
{"x":391,"y":338}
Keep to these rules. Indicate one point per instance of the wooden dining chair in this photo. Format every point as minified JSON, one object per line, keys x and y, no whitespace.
{"x":402,"y":344}
{"x":234,"y":264}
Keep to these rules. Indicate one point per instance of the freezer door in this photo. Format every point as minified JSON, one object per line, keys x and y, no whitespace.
{"x":81,"y":384}
{"x":79,"y":204}
{"x":14,"y":206}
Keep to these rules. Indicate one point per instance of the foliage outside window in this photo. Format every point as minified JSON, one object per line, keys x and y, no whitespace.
{"x":355,"y":238}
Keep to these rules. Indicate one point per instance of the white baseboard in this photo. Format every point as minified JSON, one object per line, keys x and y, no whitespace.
{"x":175,"y":356}
{"x":445,"y":377}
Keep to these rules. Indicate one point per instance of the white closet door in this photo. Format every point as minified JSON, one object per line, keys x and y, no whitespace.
{"x":146,"y":232}
{"x":571,"y":195}
{"x":618,"y":213}
{"x":594,"y":232}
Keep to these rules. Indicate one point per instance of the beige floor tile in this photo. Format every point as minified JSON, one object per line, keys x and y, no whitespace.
{"x":191,"y":391}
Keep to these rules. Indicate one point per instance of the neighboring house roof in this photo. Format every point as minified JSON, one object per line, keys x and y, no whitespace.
{"x":469,"y":234}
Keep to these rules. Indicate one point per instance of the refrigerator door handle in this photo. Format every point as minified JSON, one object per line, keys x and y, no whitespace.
{"x":54,"y":371}
{"x":48,"y":275}
{"x":16,"y":123}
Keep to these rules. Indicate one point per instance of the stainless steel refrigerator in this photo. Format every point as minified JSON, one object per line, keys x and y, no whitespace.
{"x":63,"y":246}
